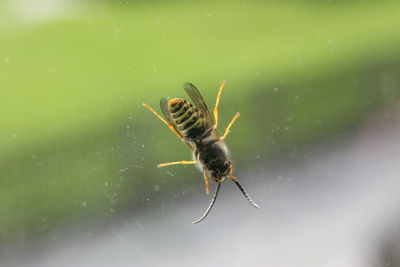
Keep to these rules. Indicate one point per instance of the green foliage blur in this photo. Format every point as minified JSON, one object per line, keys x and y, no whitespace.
{"x":75,"y":141}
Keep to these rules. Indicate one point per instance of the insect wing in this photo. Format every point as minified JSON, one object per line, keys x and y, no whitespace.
{"x":164,"y":109}
{"x":167,"y":115}
{"x":198,"y":100}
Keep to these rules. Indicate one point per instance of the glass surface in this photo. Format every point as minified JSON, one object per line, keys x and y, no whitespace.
{"x":316,"y":146}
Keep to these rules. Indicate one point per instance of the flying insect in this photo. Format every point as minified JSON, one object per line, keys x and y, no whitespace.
{"x":193,"y":125}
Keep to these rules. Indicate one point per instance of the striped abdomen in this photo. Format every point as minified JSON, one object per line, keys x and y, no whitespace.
{"x":188,"y":120}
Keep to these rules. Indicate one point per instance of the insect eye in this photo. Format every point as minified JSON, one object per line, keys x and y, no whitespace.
{"x":227,"y":164}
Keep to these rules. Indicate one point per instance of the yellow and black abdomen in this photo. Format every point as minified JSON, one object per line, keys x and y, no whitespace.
{"x":188,"y":120}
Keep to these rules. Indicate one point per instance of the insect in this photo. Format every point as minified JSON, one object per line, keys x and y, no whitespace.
{"x":194,"y":126}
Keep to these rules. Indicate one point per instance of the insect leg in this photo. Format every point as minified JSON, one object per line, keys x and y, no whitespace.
{"x":176,"y":162}
{"x":207,"y":183}
{"x":169,"y":125}
{"x":215,"y":109}
{"x":237,"y":115}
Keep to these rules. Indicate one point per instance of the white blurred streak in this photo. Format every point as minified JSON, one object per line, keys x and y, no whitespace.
{"x":39,"y":10}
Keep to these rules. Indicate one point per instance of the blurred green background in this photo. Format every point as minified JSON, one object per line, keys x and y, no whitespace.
{"x":76,"y":143}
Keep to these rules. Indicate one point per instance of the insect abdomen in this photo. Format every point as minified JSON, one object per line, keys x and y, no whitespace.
{"x":187,"y":118}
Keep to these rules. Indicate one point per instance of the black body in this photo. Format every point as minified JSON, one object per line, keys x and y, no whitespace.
{"x":209,"y":151}
{"x":214,"y":159}
{"x":194,"y":125}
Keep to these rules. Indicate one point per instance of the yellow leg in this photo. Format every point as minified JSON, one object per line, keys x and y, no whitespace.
{"x":237,"y":115}
{"x":176,"y":162}
{"x":163,"y":120}
{"x":215,"y":110}
{"x":231,"y":176}
{"x":207,"y":183}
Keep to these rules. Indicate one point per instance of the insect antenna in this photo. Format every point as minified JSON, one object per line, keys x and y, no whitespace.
{"x":210,"y":206}
{"x":246,"y":195}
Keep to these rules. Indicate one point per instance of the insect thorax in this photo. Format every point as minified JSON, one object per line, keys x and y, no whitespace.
{"x":214,"y":159}
{"x":189,"y":121}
